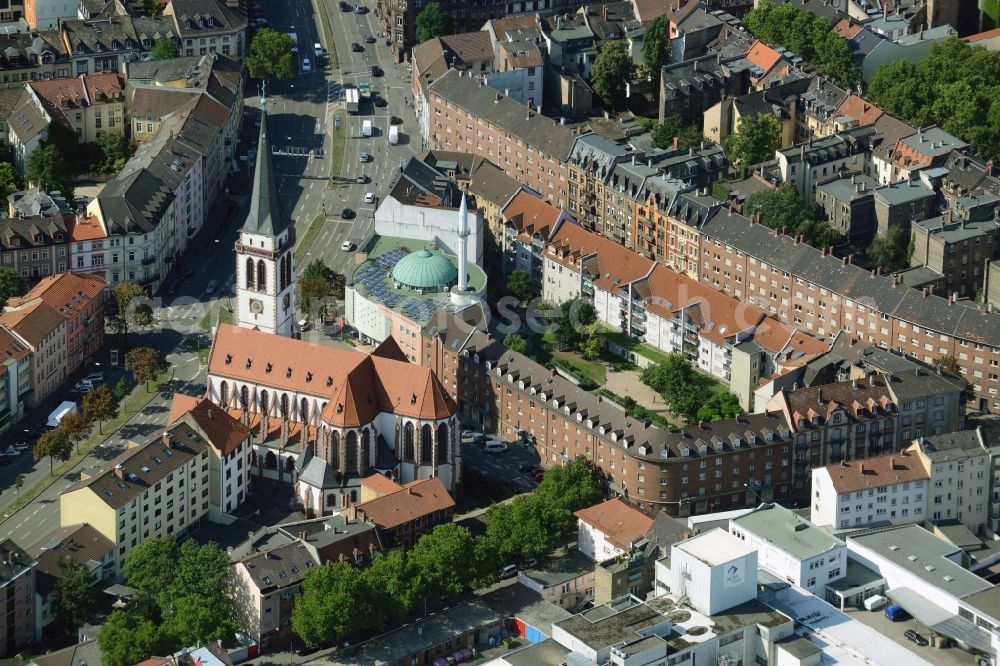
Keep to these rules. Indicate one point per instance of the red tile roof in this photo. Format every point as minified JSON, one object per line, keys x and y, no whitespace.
{"x":86,"y":228}
{"x":357,"y":386}
{"x":380,"y":484}
{"x":854,"y":475}
{"x":989,"y":34}
{"x":618,"y":266}
{"x":65,"y":292}
{"x":414,"y":500}
{"x":860,"y":108}
{"x":33,"y":322}
{"x":221,"y":430}
{"x":531,"y":215}
{"x":763,"y":56}
{"x":617,"y":521}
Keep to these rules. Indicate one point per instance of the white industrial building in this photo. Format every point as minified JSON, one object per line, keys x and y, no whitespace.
{"x":422,"y":205}
{"x":714,"y":571}
{"x":791,"y":548}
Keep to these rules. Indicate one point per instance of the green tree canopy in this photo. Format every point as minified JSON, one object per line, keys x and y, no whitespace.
{"x":656,"y":50}
{"x":519,"y":285}
{"x":47,"y":168}
{"x":956,"y":87}
{"x":149,"y":569}
{"x":11,"y":284}
{"x":126,"y":297}
{"x":10,"y":180}
{"x":76,"y":598}
{"x":680,"y":385}
{"x":807,"y":35}
{"x":319,"y":281}
{"x":392,"y":574}
{"x":432,"y":21}
{"x":55,"y":444}
{"x":611,"y":73}
{"x":164,"y":49}
{"x":755,"y":141}
{"x":270,"y":55}
{"x":335,"y":600}
{"x":77,"y":427}
{"x":114,"y":150}
{"x":571,"y":326}
{"x":783,"y":208}
{"x":444,"y":560}
{"x":888,"y":252}
{"x":128,"y":638}
{"x":100,"y":405}
{"x":688,"y":136}
{"x":720,"y":406}
{"x":515,"y":342}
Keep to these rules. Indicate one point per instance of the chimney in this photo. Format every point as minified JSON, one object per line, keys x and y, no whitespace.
{"x":166,"y":438}
{"x":892,"y":462}
{"x":605,"y":12}
{"x":409,"y":490}
{"x":850,"y":258}
{"x":119,"y":471}
{"x":675,"y":144}
{"x":843,"y":261}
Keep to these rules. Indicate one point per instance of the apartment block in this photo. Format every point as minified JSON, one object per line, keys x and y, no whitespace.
{"x":89,"y":105}
{"x":154,"y":489}
{"x":15,"y":379}
{"x":17,"y":598}
{"x":34,"y":238}
{"x":41,"y":329}
{"x":958,"y":249}
{"x":849,"y":205}
{"x":806,"y":164}
{"x":81,"y":299}
{"x":402,"y":514}
{"x":609,"y":530}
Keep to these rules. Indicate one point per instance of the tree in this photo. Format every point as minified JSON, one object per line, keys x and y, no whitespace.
{"x":319,"y":281}
{"x":949,"y":364}
{"x":443,"y":561}
{"x":46,"y":168}
{"x":11,"y":284}
{"x":782,"y":208}
{"x":611,"y":73}
{"x":889,"y":251}
{"x":594,"y":342}
{"x":76,"y":426}
{"x":54,"y":444}
{"x":270,"y":55}
{"x":128,"y":638}
{"x":195,"y":622}
{"x":76,"y":599}
{"x":572,"y":486}
{"x":681,"y":387}
{"x":656,"y":50}
{"x":432,"y":21}
{"x":164,"y":49}
{"x":151,"y":7}
{"x":335,"y":600}
{"x":149,"y":569}
{"x":126,"y":297}
{"x":100,"y":405}
{"x":10,"y":180}
{"x":122,"y":389}
{"x":145,"y":364}
{"x":663,"y":134}
{"x":519,"y":529}
{"x":573,"y":319}
{"x":516,"y":342}
{"x":19,"y":483}
{"x":114,"y":151}
{"x":720,"y":406}
{"x":755,"y":141}
{"x":519,"y":285}
{"x":142,"y":315}
{"x":392,"y":574}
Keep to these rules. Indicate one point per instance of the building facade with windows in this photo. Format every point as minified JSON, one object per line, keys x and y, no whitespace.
{"x":35,"y":245}
{"x":42,"y":330}
{"x":151,"y":490}
{"x":17,"y":599}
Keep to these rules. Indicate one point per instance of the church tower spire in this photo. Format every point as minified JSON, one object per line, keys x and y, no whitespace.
{"x":265,"y":274}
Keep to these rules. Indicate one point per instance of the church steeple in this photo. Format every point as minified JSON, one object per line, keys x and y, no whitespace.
{"x":266,"y":216}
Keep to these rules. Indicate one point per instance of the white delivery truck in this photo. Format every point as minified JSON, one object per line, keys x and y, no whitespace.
{"x":393,"y":135}
{"x":366,"y":128}
{"x":295,"y":42}
{"x":59,"y":412}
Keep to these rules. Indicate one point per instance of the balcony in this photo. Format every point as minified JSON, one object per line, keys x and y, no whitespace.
{"x":148,"y":261}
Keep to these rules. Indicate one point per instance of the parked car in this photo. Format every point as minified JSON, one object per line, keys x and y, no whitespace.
{"x":526,"y":467}
{"x":357,"y":48}
{"x":360,"y":9}
{"x":258,"y":22}
{"x":912,"y":636}
{"x":319,"y":50}
{"x":20,"y":447}
{"x":347,"y":246}
{"x":369,"y":197}
{"x":94,"y":377}
{"x":508,"y":571}
{"x":344,"y":7}
{"x":379,"y":101}
{"x":539,"y":475}
{"x":493,"y":446}
{"x":346,"y":214}
{"x":896,"y":613}
{"x":468,"y":432}
{"x":395,"y":120}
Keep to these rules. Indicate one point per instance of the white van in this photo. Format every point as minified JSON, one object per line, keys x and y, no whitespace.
{"x":393,"y":135}
{"x":493,"y":446}
{"x":366,"y":128}
{"x":875,"y":602}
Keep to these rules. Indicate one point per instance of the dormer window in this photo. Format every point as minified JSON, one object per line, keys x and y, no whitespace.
{"x":80,"y":48}
{"x":47,"y":58}
{"x":115,"y":45}
{"x":147,"y":44}
{"x":129,"y":44}
{"x":201,"y":23}
{"x":188,"y":24}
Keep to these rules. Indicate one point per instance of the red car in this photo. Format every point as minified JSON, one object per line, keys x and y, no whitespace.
{"x":539,"y":475}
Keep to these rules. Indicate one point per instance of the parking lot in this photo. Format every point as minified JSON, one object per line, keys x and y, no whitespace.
{"x":877,"y":620}
{"x":503,"y":467}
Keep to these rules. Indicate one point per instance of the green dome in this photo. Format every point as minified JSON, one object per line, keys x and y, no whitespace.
{"x":424,"y":270}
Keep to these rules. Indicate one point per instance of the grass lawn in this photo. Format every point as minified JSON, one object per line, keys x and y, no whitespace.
{"x":641,"y":348}
{"x":331,"y":46}
{"x":337,"y":149}
{"x":309,"y":237}
{"x":593,"y":372}
{"x":218,"y":313}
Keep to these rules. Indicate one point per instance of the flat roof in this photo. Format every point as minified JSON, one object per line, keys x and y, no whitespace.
{"x":856,"y":576}
{"x":556,"y":572}
{"x":986,"y":602}
{"x":715,"y":547}
{"x":914,"y":549}
{"x":545,"y":653}
{"x":788,"y":531}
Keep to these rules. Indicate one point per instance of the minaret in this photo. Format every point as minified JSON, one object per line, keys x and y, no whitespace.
{"x":265,"y":274}
{"x":463,"y":243}
{"x":461,"y":294}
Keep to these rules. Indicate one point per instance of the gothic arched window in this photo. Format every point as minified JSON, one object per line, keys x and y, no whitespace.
{"x":270,"y":460}
{"x":366,"y":451}
{"x":335,"y":450}
{"x":244,"y":397}
{"x":284,"y":405}
{"x":224,"y":394}
{"x":261,"y":275}
{"x":442,"y":443}
{"x":408,"y":442}
{"x":263,"y":402}
{"x":351,"y":451}
{"x":249,"y":277}
{"x":426,"y":445}
{"x":304,"y":411}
